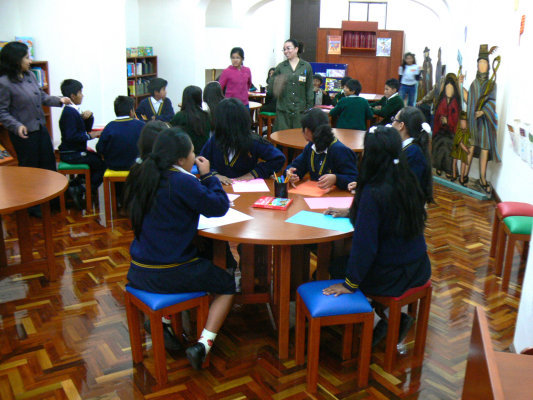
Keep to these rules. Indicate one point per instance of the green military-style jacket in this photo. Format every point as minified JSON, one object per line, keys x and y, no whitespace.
{"x":297,"y":94}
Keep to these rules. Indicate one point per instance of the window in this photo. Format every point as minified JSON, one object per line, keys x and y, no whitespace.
{"x":368,"y":11}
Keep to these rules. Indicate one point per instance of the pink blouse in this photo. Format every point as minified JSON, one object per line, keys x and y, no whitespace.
{"x":236,"y":82}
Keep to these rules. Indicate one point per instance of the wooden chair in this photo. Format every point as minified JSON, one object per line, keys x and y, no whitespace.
{"x":493,"y":375}
{"x":320,"y":310}
{"x":155,"y":306}
{"x":269,"y":117}
{"x":76,"y":169}
{"x":513,"y":228}
{"x":110,"y":198}
{"x":420,"y":297}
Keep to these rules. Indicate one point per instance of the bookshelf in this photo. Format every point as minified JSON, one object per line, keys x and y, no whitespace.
{"x":139,"y":72}
{"x":359,"y":36}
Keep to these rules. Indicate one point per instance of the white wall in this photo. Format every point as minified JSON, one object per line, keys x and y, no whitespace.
{"x":79,"y":41}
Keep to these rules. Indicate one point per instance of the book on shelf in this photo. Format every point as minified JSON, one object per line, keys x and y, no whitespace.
{"x":39,"y":75}
{"x":131,"y":87}
{"x":131,"y":69}
{"x":275,"y":203}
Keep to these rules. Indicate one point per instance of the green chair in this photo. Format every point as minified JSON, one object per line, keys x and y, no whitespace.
{"x":76,"y":169}
{"x":269,"y":117}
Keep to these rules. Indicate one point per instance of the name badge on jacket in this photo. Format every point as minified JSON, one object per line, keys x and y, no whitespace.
{"x":302,"y":78}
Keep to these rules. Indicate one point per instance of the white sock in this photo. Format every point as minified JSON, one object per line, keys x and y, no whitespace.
{"x":207,"y":339}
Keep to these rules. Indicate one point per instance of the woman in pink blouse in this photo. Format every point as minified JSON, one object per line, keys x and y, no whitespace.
{"x":236,"y":80}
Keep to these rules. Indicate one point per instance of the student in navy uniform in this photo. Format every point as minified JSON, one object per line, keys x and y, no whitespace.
{"x":157,"y":106}
{"x":118,"y":141}
{"x":234,"y":152}
{"x":389,"y":253}
{"x":326,"y":159}
{"x":149,"y":134}
{"x":414,"y":131}
{"x":75,"y":131}
{"x":352,"y":111}
{"x":164,"y":202}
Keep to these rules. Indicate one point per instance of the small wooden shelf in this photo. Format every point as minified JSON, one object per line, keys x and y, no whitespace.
{"x":359,"y":48}
{"x":138,"y":82}
{"x":359,"y":36}
{"x":142,"y":76}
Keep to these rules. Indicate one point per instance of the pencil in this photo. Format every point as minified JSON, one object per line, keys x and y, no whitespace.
{"x":287,"y":177}
{"x":275,"y":177}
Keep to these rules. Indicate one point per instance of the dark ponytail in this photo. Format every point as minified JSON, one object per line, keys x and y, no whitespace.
{"x":145,"y":179}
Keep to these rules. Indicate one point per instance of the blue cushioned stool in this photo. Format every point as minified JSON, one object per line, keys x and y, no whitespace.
{"x":156,"y":306}
{"x":322,"y":310}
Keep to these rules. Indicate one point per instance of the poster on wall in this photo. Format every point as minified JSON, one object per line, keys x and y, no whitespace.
{"x":383,"y":47}
{"x":334,"y":44}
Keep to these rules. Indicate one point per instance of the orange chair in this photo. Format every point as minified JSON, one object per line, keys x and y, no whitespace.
{"x":420,"y":296}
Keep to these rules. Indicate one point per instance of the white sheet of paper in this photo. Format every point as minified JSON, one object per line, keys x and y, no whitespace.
{"x":232,"y":216}
{"x":232,"y":197}
{"x":255,"y":185}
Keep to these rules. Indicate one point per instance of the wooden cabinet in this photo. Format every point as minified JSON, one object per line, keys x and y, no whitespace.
{"x":139,"y":72}
{"x":359,"y":36}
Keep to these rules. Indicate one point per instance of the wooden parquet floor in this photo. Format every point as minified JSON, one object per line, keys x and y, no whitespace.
{"x":69,"y":339}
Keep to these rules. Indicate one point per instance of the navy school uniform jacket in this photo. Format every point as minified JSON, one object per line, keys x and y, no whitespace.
{"x":118,"y":143}
{"x":170,"y":226}
{"x":74,"y":131}
{"x":241,"y":164}
{"x":339,"y":160}
{"x":146,"y":108}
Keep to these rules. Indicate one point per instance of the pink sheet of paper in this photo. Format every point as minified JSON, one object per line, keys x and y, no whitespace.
{"x":318,"y":203}
{"x":309,"y":188}
{"x":255,"y":185}
{"x":232,"y":197}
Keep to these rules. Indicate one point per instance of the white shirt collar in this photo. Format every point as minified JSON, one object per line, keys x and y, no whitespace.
{"x":407,"y":141}
{"x":154,"y":101}
{"x":322,"y":152}
{"x":183,"y":170}
{"x":123,"y":117}
{"x":75,"y":106}
{"x":353,"y":95}
{"x":395,"y":94}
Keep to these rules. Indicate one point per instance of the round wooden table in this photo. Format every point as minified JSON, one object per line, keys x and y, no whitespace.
{"x":260,"y":97}
{"x":294,"y":138}
{"x":268,"y":227}
{"x":21,"y":188}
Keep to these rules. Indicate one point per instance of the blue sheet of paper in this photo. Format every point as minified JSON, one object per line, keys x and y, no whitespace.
{"x":319,"y":220}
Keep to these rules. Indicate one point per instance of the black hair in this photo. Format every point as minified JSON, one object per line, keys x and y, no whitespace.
{"x":232,"y":129}
{"x":319,"y":78}
{"x":237,"y":50}
{"x":149,"y":134}
{"x":212,"y":96}
{"x":317,"y":122}
{"x":123,"y":106}
{"x":451,"y":79}
{"x":296,"y":43}
{"x":407,"y":55}
{"x":269,"y":70}
{"x":393,"y":184}
{"x":156,"y":84}
{"x":191,"y":105}
{"x":393,"y":83}
{"x":355,"y":86}
{"x":70,"y":87}
{"x":344,"y":80}
{"x":145,"y":179}
{"x":11,"y":57}
{"x":413,"y":119}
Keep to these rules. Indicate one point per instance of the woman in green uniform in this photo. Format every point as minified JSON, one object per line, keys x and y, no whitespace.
{"x":292,"y":86}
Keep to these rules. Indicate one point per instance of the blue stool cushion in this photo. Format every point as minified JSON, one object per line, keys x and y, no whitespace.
{"x":320,"y":305}
{"x":157,"y":301}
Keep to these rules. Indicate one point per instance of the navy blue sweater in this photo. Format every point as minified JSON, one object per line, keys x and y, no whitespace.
{"x":73,"y":131}
{"x":379,"y":259}
{"x":242,"y":164}
{"x":118,"y":143}
{"x":339,"y":160}
{"x":170,"y":226}
{"x":146,"y":109}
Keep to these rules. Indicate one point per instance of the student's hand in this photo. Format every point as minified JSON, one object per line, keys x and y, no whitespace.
{"x":23,"y":132}
{"x":86,"y":114}
{"x":352,"y":186}
{"x":224,"y":179}
{"x":336,"y":289}
{"x":246,"y":177}
{"x":377,"y":108}
{"x":479,"y":114}
{"x":203,"y":165}
{"x":95,"y":134}
{"x":65,"y":100}
{"x":337,"y":212}
{"x":327,"y":181}
{"x":144,"y":118}
{"x":293,"y":178}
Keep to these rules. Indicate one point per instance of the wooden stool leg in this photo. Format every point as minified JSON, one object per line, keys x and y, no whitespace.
{"x":88,"y":194}
{"x":134,"y":327}
{"x":269,"y":127}
{"x":422,"y":323}
{"x":313,"y":351}
{"x":62,"y":205}
{"x":347,"y":342}
{"x":506,"y":274}
{"x":177,"y":325}
{"x":365,"y":350}
{"x":158,"y":346}
{"x":107,"y":200}
{"x":112,"y":189}
{"x":525,"y":252}
{"x":495,"y":227}
{"x":260,"y":125}
{"x":501,"y":244}
{"x":392,"y":336}
{"x":300,"y":331}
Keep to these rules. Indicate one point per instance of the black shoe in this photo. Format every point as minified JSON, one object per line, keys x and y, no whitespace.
{"x":380,"y":332}
{"x":171,"y":342}
{"x":406,"y":322}
{"x":35,"y":211}
{"x":196,"y":355}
